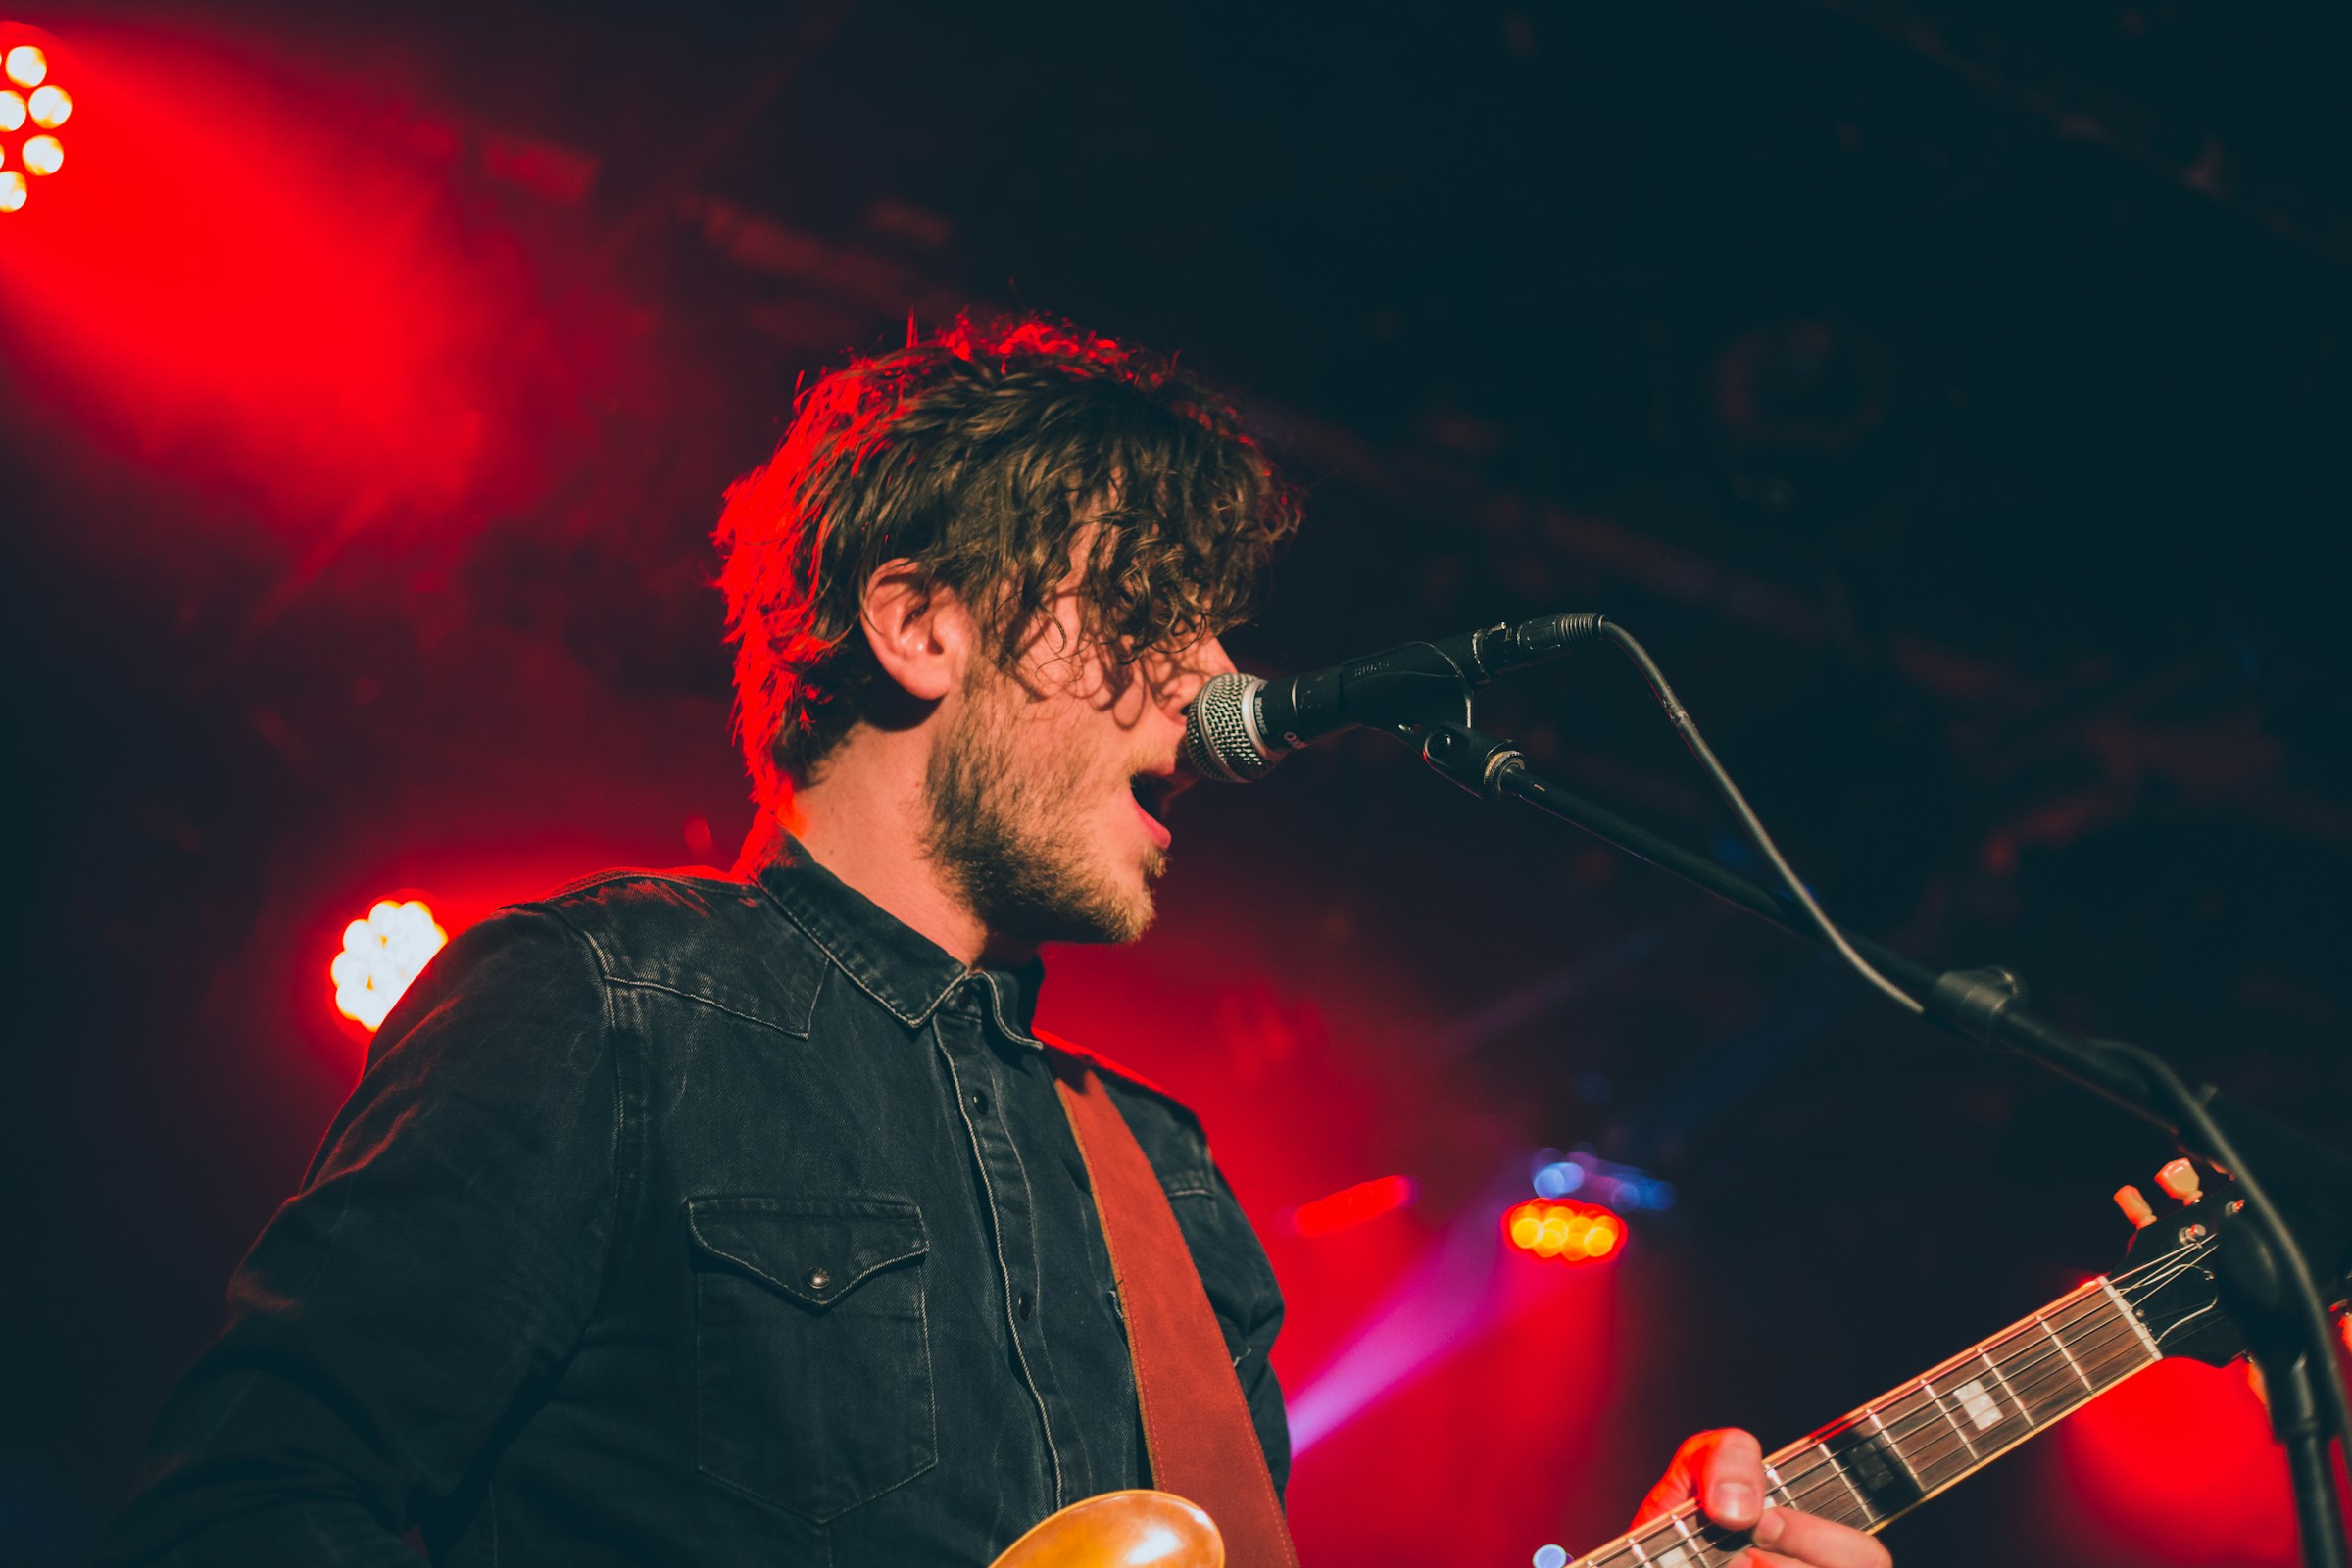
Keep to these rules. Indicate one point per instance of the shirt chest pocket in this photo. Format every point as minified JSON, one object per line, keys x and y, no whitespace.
{"x":813,"y":1355}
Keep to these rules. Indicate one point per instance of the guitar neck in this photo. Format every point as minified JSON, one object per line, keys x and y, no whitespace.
{"x":1906,"y":1447}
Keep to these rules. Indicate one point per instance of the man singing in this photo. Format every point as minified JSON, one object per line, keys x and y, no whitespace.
{"x":683,"y":1219}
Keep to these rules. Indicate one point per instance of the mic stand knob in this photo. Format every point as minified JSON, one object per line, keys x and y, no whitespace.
{"x":1471,"y":758}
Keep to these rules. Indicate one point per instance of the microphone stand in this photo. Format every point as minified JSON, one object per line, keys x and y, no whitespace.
{"x":2267,"y":1282}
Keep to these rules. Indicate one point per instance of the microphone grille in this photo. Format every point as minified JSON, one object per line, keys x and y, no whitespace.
{"x":1219,"y":741}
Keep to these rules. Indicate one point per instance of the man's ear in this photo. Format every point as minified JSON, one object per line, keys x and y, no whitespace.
{"x":921,"y":633}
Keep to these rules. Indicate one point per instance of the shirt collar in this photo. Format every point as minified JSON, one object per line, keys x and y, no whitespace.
{"x":897,"y":965}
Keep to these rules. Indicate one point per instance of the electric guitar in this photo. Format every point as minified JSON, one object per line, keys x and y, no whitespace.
{"x":1864,"y":1469}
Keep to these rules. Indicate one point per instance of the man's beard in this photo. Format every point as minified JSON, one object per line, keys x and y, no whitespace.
{"x":1004,"y":830}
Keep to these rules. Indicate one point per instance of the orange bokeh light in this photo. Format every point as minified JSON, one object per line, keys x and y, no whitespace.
{"x":1574,"y":1232}
{"x":380,"y":956}
{"x":49,"y":106}
{"x":43,"y":155}
{"x":27,"y":65}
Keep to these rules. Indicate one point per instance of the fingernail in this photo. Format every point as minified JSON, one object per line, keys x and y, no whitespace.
{"x":1731,"y":1499}
{"x":1768,"y":1528}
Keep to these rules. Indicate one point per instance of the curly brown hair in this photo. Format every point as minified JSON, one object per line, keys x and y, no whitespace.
{"x":987,"y":454}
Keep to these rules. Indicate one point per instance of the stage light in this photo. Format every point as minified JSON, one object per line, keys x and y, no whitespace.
{"x":1353,"y":1205}
{"x":49,"y":106}
{"x":1574,"y":1232}
{"x":27,"y":65}
{"x":380,"y":956}
{"x":1551,"y":1557}
{"x":43,"y":155}
{"x":12,"y":191}
{"x":1620,"y":1187}
{"x":11,"y":110}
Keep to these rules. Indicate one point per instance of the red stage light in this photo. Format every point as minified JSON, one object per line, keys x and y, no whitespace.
{"x":13,"y":110}
{"x":49,"y":106}
{"x":43,"y":155}
{"x":380,"y":956}
{"x":1353,"y":1205}
{"x":1574,"y":1232}
{"x":13,"y":191}
{"x":27,"y":65}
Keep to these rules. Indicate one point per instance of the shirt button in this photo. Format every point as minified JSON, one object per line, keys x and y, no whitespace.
{"x":819,"y":1278}
{"x":1020,"y":1304}
{"x":979,"y":1102}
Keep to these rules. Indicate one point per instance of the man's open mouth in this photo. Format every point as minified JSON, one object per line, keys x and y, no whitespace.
{"x":1153,"y":790}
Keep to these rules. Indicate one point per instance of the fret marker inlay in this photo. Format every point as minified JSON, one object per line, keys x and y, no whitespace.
{"x":1982,"y":1407}
{"x":1906,"y":1447}
{"x":1881,"y":1483}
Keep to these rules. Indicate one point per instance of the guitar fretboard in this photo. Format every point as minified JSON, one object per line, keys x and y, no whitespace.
{"x":1902,"y":1449}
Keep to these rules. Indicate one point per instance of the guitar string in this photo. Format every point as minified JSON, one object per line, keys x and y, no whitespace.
{"x":2111,"y":1331}
{"x":2036,"y":1372}
{"x":1926,"y":1462}
{"x":2053,"y":1319}
{"x":1806,"y":1489}
{"x":1818,"y":1478}
{"x":1833,"y":1479}
{"x":2093,"y":1347}
{"x":2149,"y":1276}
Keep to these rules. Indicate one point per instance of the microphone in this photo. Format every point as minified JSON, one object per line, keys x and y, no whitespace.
{"x":1240,"y":726}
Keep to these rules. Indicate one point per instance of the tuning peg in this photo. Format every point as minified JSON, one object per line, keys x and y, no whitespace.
{"x":2136,"y":1208}
{"x":2180,"y":1179}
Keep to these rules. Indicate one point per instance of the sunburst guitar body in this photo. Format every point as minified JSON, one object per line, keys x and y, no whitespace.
{"x":1121,"y":1529}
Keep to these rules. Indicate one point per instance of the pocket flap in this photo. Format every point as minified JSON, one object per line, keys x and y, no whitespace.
{"x":814,"y":1250}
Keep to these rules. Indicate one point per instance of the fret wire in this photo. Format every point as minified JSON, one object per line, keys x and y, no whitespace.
{"x":2102,"y":1332}
{"x":1893,"y":1445}
{"x":2031,"y":1426}
{"x":1950,"y":1419}
{"x":1831,"y":1460}
{"x":1700,"y":1551}
{"x":2083,"y":1295}
{"x":2086,"y":1295}
{"x":2096,"y":1303}
{"x":2132,"y":1366}
{"x":1916,"y":1436}
{"x":1832,"y":1496}
{"x":2052,"y":1337}
{"x":1650,"y":1533}
{"x":2125,"y":1307}
{"x":2094,"y":1307}
{"x":1985,"y":1354}
{"x":2127,"y":1366}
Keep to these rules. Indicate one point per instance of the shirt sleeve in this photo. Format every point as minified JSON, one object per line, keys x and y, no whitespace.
{"x":444,"y":1253}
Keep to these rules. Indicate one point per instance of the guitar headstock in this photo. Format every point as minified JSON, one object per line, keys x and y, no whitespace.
{"x":2171,"y":1276}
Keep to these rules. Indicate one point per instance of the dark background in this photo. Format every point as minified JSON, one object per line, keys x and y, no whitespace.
{"x":1952,"y":397}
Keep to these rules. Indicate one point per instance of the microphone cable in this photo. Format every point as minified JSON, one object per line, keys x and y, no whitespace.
{"x":2308,"y":1308}
{"x":1687,"y":727}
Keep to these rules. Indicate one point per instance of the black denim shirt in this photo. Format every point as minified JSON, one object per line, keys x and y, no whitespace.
{"x":682,"y":1219}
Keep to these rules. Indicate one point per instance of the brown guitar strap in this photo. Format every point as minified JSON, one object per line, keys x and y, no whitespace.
{"x":1196,"y":1426}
